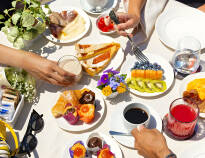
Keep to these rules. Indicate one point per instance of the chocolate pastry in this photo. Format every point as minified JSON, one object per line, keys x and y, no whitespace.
{"x":88,"y":97}
{"x":95,"y":142}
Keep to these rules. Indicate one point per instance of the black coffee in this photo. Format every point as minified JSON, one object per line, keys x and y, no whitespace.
{"x":136,"y":116}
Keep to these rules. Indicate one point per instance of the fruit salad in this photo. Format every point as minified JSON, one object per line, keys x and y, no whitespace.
{"x":105,"y":24}
{"x":147,"y":77}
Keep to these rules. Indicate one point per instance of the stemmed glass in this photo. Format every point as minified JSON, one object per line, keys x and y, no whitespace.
{"x":187,"y":56}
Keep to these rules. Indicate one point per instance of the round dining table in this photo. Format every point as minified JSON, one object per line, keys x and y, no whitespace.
{"x":52,"y":139}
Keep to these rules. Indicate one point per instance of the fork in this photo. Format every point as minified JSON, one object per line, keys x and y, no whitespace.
{"x":135,"y":50}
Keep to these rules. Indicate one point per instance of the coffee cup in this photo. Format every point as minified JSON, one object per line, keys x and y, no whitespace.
{"x":134,"y":115}
{"x":97,"y":3}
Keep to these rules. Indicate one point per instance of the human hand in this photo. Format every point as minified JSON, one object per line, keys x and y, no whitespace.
{"x":150,"y":143}
{"x":47,"y":70}
{"x":127,"y":21}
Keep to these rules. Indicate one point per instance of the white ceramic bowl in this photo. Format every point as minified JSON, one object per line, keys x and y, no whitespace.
{"x":98,"y":18}
{"x":130,"y":126}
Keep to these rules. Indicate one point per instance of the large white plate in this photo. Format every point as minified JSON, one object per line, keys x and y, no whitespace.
{"x":110,"y":5}
{"x":80,"y":126}
{"x":174,"y":24}
{"x":195,"y":151}
{"x":113,"y":145}
{"x":117,"y":60}
{"x":59,"y":9}
{"x":117,"y":123}
{"x":188,"y":79}
{"x":168,"y":72}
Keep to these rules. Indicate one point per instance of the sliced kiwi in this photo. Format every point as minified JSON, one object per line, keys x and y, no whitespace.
{"x":159,"y":86}
{"x":139,"y":84}
{"x":149,"y":87}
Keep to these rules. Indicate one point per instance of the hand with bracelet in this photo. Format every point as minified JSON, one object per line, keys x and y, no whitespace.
{"x":150,"y":143}
{"x":130,"y":19}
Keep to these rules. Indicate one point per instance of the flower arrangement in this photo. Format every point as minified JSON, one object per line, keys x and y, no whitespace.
{"x":111,"y":82}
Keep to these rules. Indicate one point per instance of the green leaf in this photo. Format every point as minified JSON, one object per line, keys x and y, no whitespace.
{"x":40,"y":27}
{"x":15,"y":18}
{"x":100,"y":87}
{"x":8,"y":23}
{"x":124,"y":76}
{"x":28,"y":2}
{"x":4,"y":29}
{"x":13,"y":31}
{"x":27,"y":20}
{"x":13,"y":3}
{"x":1,"y":17}
{"x":28,"y":35}
{"x":19,"y":43}
{"x":6,"y":11}
{"x":11,"y":38}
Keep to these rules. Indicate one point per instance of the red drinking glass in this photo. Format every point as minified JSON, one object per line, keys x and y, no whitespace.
{"x":182,"y":118}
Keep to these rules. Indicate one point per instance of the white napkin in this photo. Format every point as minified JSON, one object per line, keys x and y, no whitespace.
{"x":149,"y":16}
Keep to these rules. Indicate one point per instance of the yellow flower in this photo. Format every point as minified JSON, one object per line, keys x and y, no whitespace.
{"x":107,"y":90}
{"x":121,"y":88}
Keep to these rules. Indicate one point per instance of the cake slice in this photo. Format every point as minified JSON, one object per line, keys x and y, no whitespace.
{"x":86,"y":51}
{"x":97,"y":63}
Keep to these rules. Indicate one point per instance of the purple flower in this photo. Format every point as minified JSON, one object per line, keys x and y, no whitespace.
{"x":111,"y":71}
{"x":114,"y":85}
{"x":99,"y":83}
{"x":112,"y":78}
{"x":104,"y":78}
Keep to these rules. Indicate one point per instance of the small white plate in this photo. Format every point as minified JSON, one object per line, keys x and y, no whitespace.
{"x":110,"y":5}
{"x":174,"y":24}
{"x":195,"y":151}
{"x":59,"y":9}
{"x":116,"y":123}
{"x":168,"y":72}
{"x":114,"y":148}
{"x":188,"y":79}
{"x":80,"y":126}
{"x":116,"y":61}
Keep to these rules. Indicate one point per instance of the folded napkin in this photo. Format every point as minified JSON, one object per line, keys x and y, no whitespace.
{"x":149,"y":14}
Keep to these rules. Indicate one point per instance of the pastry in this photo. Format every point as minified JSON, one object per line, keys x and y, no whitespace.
{"x":88,"y":97}
{"x":86,"y":112}
{"x":78,"y":150}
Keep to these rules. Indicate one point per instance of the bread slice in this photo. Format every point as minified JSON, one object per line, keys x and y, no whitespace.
{"x":97,"y":63}
{"x":86,"y":51}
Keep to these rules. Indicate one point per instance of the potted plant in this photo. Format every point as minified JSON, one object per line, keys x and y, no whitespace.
{"x":111,"y":83}
{"x":23,"y":22}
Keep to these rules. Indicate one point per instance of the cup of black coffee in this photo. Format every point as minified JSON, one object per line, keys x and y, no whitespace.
{"x":135,"y":114}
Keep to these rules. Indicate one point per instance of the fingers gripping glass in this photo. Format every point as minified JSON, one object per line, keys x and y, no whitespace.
{"x":29,"y":142}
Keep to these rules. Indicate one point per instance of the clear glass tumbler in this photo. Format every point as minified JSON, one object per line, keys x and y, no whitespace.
{"x":187,"y":56}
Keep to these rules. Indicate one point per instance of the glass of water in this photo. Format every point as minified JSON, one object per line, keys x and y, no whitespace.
{"x":187,"y":56}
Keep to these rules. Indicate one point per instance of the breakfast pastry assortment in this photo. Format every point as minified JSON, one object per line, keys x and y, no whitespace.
{"x":75,"y":105}
{"x":95,"y":57}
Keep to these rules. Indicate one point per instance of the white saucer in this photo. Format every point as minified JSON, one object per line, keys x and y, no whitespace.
{"x":117,"y":123}
{"x":110,"y":5}
{"x":114,"y":148}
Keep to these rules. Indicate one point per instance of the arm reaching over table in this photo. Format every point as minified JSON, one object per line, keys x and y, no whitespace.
{"x":132,"y":18}
{"x":36,"y":65}
{"x":150,"y":143}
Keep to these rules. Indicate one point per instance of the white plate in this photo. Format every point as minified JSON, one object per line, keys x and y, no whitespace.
{"x":116,"y":61}
{"x":114,"y":148}
{"x":80,"y":126}
{"x":195,"y":151}
{"x":188,"y":79}
{"x":168,"y":72}
{"x":117,"y":123}
{"x":174,"y":24}
{"x":110,"y":5}
{"x":59,"y":9}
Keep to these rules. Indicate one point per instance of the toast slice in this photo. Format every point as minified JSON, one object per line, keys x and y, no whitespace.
{"x":87,"y":51}
{"x":97,"y":63}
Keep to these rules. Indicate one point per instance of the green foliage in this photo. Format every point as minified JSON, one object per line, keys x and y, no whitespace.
{"x":26,"y":20}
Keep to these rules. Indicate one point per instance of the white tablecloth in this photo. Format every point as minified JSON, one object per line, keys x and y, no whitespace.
{"x":52,"y":140}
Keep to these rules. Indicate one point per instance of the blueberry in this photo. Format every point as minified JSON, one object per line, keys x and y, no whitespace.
{"x":159,"y":67}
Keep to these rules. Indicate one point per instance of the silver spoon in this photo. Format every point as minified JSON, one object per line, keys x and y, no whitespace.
{"x":119,"y":133}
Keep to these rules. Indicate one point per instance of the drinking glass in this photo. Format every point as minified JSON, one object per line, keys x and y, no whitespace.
{"x":71,"y":64}
{"x":182,"y":118}
{"x":187,"y":56}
